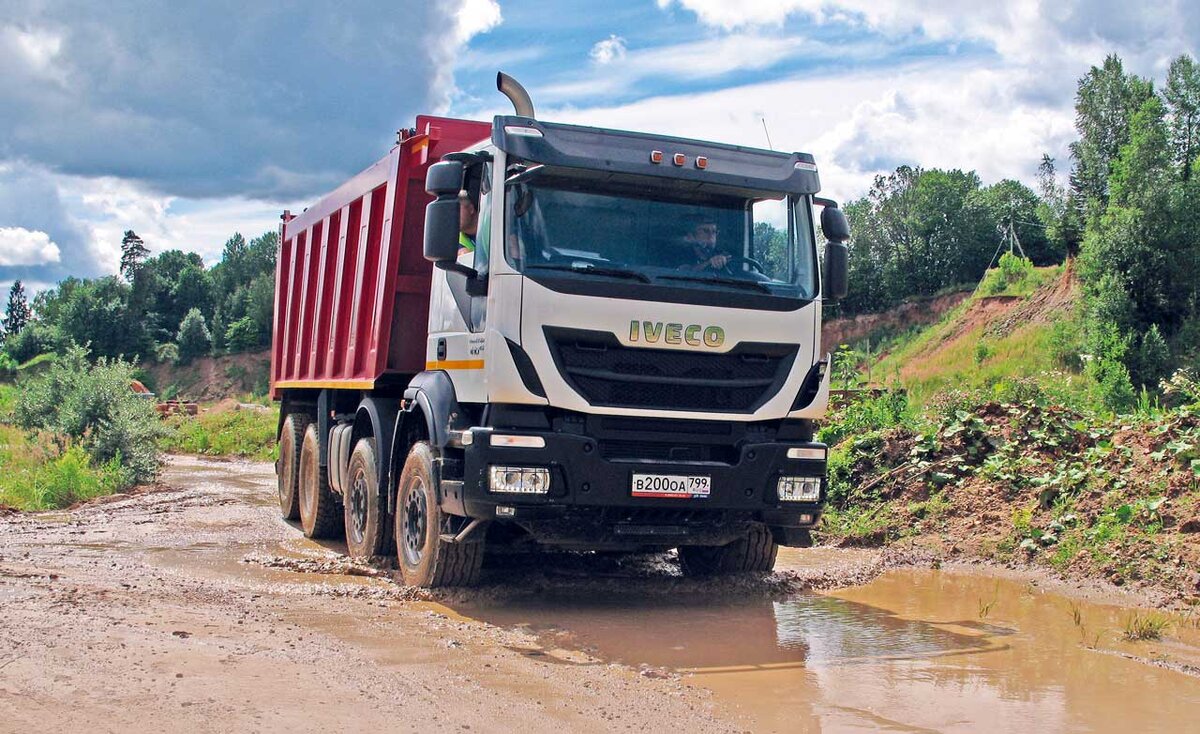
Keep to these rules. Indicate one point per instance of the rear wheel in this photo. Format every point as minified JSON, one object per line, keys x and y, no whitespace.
{"x":754,"y":552}
{"x":368,"y":530}
{"x":287,"y":471}
{"x":424,"y":558}
{"x":320,"y":507}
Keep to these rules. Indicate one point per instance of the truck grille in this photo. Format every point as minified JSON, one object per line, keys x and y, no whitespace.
{"x":606,"y":373}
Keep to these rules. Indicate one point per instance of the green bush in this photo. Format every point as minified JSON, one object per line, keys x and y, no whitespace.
{"x":242,"y":335}
{"x":8,"y":366}
{"x":36,"y":338}
{"x":194,"y":339}
{"x":92,"y":404}
{"x":166,"y":353}
{"x":1011,"y":274}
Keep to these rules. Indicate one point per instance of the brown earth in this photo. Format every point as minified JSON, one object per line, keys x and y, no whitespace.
{"x":191,"y":607}
{"x":836,"y":332}
{"x":1104,"y":501}
{"x":213,"y":378}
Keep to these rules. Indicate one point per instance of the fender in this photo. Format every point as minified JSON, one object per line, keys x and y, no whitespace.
{"x":430,"y":405}
{"x":379,"y":414}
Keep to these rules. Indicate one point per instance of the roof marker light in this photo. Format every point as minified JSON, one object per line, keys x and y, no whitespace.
{"x":806,"y":166}
{"x":656,"y":156}
{"x":522,"y":131}
{"x":701,"y":162}
{"x":679,"y":159}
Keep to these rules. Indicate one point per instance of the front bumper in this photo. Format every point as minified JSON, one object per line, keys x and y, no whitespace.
{"x":590,"y":501}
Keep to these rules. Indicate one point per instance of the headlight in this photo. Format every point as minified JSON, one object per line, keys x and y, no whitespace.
{"x":519,"y":479}
{"x":799,"y":489}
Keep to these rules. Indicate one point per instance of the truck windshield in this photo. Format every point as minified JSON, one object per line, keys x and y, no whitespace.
{"x":560,"y":225}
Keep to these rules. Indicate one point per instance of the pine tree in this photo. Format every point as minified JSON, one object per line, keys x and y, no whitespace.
{"x":17,"y":315}
{"x":133,"y":252}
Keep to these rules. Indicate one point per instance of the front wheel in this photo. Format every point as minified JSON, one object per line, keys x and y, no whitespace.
{"x":753,"y":552}
{"x":424,"y":558}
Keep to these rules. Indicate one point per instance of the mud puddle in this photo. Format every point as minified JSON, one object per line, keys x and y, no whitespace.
{"x":911,"y":650}
{"x":905,"y":650}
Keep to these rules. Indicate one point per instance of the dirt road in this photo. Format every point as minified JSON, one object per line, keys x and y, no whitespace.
{"x":194,"y":608}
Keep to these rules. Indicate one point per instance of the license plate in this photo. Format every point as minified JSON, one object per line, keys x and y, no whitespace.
{"x":671,"y":486}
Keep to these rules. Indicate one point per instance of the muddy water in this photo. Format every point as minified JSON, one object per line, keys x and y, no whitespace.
{"x":913,"y":650}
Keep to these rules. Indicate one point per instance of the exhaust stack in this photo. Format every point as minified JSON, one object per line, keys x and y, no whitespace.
{"x":512,"y":89}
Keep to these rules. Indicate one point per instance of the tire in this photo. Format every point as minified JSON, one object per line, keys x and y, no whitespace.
{"x":755,"y":552}
{"x":320,"y":506}
{"x":424,"y":559}
{"x":287,"y":471}
{"x":368,"y":526}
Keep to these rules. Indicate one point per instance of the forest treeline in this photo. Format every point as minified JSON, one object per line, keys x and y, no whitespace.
{"x":1128,"y":213}
{"x":169,"y":307}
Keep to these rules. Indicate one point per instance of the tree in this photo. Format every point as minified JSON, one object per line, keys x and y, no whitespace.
{"x":1182,"y":94}
{"x":1014,"y":208}
{"x":194,"y":339}
{"x":1058,"y":211}
{"x":133,"y":252}
{"x":17,"y":314}
{"x":1106,"y":100}
{"x":97,"y":312}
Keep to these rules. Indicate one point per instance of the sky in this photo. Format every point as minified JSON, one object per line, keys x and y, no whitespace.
{"x":189,"y":121}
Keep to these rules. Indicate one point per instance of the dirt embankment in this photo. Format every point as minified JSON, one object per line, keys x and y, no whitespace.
{"x":1024,"y":485}
{"x":836,"y":332}
{"x":213,"y":378}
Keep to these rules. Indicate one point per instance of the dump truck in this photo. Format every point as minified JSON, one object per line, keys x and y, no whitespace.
{"x":527,"y":333}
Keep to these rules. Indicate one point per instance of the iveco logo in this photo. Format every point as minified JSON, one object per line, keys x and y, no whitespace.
{"x":651,"y":332}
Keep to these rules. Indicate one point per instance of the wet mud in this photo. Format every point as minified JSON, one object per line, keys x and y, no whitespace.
{"x":193,"y":607}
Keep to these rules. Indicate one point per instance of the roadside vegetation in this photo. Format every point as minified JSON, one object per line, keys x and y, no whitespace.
{"x":74,"y":431}
{"x":1053,"y":417}
{"x":232,"y":429}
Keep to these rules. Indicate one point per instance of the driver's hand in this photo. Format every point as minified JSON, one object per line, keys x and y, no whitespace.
{"x":716,"y":262}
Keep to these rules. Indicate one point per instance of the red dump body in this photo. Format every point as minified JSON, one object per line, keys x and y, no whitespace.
{"x":351,"y":280}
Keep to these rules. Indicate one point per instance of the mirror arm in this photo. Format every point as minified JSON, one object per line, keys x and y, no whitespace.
{"x":452,"y":267}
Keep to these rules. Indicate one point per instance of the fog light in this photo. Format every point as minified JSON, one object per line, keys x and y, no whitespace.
{"x":799,"y":489}
{"x":808,"y":453}
{"x":519,"y":479}
{"x":524,"y":442}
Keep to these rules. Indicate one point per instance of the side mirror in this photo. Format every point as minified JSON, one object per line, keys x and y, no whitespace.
{"x":837,"y":270}
{"x":443,"y":180}
{"x":834,"y":225}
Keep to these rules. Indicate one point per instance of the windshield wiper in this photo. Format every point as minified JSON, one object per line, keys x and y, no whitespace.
{"x":595,"y":270}
{"x":737,"y":282}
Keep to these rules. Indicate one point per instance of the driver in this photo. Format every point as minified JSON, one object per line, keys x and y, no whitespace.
{"x":698,"y":251}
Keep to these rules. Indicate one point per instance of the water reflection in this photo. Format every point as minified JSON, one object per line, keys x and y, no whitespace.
{"x":913,"y":650}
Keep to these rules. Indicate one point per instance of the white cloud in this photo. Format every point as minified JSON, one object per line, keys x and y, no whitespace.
{"x":38,"y":49}
{"x":20,"y":246}
{"x":863,"y":123}
{"x":1027,"y":31}
{"x":475,"y":17}
{"x":609,"y":50}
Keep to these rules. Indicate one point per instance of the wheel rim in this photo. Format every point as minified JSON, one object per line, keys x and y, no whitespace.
{"x":358,"y":507}
{"x":416,"y":515}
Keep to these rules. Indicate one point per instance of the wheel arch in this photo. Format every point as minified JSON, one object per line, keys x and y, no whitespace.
{"x":430,"y":412}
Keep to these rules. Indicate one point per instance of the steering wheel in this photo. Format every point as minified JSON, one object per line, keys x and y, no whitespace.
{"x":738,"y":259}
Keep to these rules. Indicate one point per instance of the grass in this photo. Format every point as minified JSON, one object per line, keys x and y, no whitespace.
{"x":242,"y":433}
{"x":37,"y":476}
{"x":1145,"y":626}
{"x":8,"y":401}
